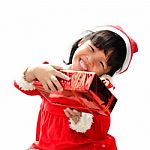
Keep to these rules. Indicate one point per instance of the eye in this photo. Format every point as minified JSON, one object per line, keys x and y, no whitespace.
{"x":102,"y":64}
{"x":91,"y":48}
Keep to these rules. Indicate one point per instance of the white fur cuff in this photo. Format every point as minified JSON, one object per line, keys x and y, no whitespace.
{"x":24,"y":85}
{"x":84,"y":124}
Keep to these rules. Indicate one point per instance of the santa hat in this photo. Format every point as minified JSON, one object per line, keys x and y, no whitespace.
{"x":131,"y":45}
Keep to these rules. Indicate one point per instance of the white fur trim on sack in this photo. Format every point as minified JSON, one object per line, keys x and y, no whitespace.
{"x":84,"y":123}
{"x":24,"y":85}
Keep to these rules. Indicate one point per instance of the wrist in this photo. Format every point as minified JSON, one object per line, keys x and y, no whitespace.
{"x":29,"y":74}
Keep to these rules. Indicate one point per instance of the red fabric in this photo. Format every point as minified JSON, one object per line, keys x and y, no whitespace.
{"x":53,"y":131}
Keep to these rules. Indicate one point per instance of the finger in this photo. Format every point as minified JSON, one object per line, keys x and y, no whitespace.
{"x":67,"y":114}
{"x":57,"y":67}
{"x":51,"y":85}
{"x":56,"y":83}
{"x":61,"y":75}
{"x":45,"y":86}
{"x":70,"y":111}
{"x":76,"y":119}
{"x":77,"y":113}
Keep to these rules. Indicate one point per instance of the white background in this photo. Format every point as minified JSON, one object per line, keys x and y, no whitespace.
{"x":32,"y":31}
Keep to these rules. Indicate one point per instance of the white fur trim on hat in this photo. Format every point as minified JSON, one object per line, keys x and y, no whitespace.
{"x":84,"y":123}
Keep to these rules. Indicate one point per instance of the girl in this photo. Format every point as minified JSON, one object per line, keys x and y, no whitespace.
{"x":105,"y":50}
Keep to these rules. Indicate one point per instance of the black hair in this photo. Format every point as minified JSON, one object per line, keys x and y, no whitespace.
{"x":108,"y":41}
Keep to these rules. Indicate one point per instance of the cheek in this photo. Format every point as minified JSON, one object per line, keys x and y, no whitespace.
{"x":76,"y":55}
{"x":98,"y":69}
{"x":74,"y":62}
{"x":74,"y":59}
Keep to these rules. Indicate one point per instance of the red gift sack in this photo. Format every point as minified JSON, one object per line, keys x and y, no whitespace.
{"x":84,"y":91}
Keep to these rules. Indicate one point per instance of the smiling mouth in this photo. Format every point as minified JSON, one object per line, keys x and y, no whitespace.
{"x":83,"y":65}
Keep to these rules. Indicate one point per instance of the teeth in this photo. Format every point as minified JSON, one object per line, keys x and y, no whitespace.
{"x":84,"y":67}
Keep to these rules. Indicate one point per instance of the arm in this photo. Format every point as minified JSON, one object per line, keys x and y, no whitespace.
{"x":44,"y":73}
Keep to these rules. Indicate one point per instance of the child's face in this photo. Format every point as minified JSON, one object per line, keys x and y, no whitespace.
{"x":89,"y":58}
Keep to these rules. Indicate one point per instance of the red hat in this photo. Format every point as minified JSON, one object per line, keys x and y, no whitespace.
{"x":131,"y":45}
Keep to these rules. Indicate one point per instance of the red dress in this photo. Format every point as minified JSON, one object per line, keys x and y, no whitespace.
{"x":53,"y":131}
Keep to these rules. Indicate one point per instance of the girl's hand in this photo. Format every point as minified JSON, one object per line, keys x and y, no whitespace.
{"x":47,"y":75}
{"x":73,"y":114}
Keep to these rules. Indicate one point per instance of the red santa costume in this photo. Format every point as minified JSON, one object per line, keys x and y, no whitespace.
{"x":55,"y":132}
